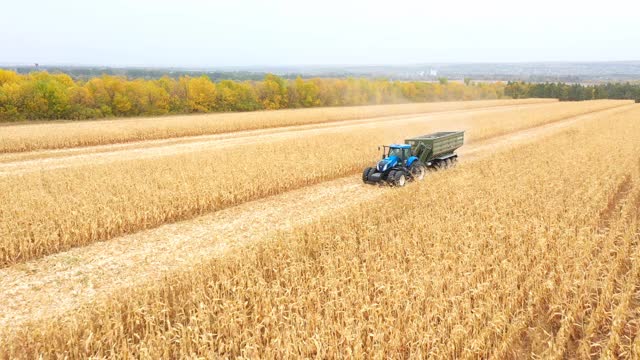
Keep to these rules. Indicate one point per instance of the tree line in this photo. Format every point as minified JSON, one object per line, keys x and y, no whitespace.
{"x":86,"y":73}
{"x":43,"y":95}
{"x":573,"y":92}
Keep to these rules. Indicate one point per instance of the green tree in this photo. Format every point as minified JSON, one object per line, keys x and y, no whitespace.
{"x":272,"y":92}
{"x":304,"y":94}
{"x":234,"y":96}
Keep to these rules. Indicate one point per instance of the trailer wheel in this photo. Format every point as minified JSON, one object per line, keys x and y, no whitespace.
{"x":441,"y":165}
{"x":418,"y":170}
{"x":366,"y":173}
{"x":399,"y":179}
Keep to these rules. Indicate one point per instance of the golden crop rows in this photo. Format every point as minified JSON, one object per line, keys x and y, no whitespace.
{"x":15,"y":138}
{"x":51,"y":211}
{"x":534,"y":252}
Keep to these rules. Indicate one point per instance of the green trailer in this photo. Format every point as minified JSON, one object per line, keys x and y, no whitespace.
{"x":410,"y":161}
{"x":437,"y":149}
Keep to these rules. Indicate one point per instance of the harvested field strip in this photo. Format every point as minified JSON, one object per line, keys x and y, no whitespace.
{"x":369,"y":282}
{"x":65,"y":280}
{"x":19,"y":138}
{"x":78,"y":206}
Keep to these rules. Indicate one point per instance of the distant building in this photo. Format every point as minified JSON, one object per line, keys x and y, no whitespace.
{"x":433,"y":72}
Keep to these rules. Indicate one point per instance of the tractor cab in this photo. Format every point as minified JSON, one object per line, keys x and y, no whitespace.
{"x":392,"y":155}
{"x":401,"y":151}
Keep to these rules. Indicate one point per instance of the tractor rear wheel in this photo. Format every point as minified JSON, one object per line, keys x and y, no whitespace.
{"x":400,"y":179}
{"x":365,"y":174}
{"x":418,"y":170}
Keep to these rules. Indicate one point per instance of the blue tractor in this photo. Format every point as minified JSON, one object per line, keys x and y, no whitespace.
{"x":409,"y":162}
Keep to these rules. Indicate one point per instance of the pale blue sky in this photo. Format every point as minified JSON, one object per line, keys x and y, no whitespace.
{"x":194,"y":33}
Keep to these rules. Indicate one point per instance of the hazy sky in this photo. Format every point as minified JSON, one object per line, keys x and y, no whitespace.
{"x":285,"y":32}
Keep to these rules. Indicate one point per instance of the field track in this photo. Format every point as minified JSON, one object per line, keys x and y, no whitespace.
{"x":50,"y":286}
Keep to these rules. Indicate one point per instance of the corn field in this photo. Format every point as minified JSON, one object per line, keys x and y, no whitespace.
{"x":527,"y":249}
{"x":66,"y":134}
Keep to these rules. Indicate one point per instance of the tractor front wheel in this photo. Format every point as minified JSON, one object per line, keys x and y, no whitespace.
{"x":400,"y":179}
{"x":391,"y":177}
{"x":365,"y":174}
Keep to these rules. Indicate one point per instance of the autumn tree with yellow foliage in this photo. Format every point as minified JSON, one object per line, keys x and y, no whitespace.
{"x":45,"y":96}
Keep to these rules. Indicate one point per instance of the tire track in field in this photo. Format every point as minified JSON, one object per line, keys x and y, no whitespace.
{"x":50,"y":286}
{"x":105,"y":154}
{"x":615,"y":203}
